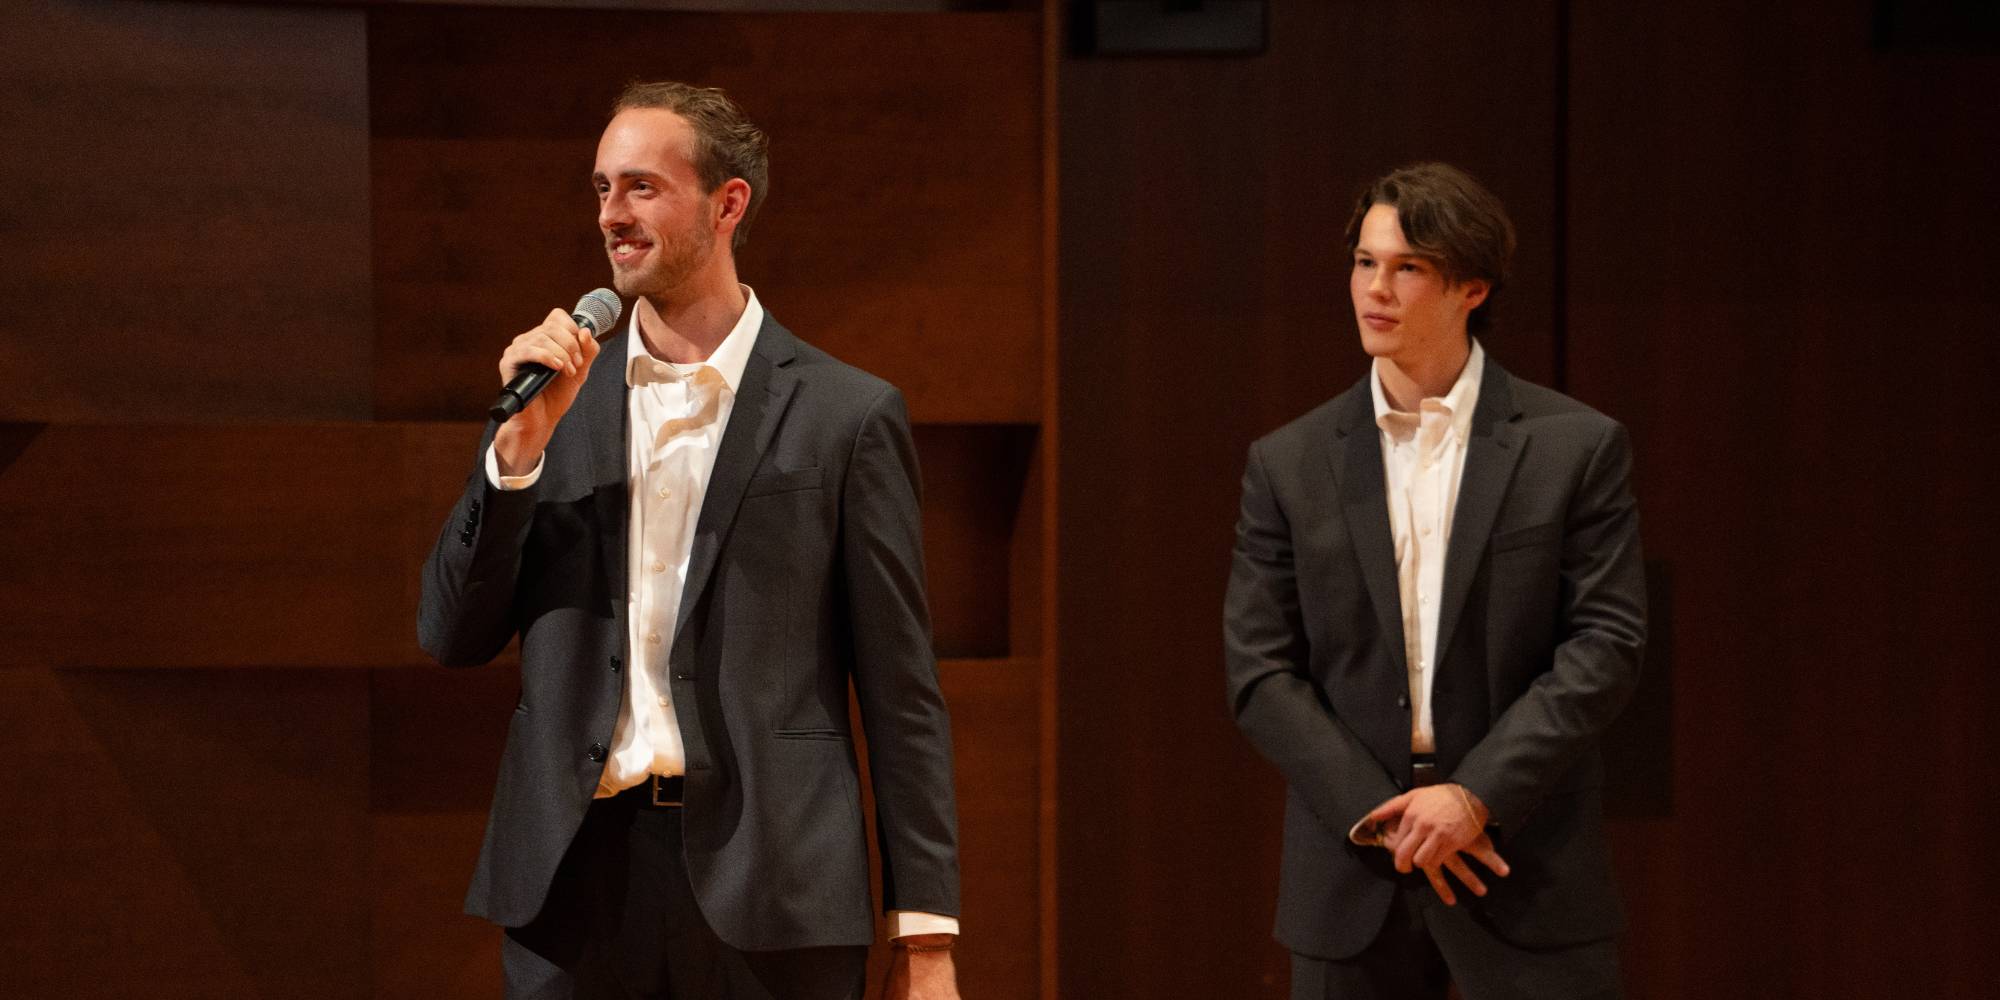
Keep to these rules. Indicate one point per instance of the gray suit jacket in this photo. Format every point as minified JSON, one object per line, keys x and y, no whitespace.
{"x":1540,"y":632}
{"x":806,"y":575}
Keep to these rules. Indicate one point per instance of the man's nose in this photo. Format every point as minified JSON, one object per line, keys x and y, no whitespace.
{"x":611,"y":212}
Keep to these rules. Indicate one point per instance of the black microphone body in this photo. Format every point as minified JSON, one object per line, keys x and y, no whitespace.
{"x":596,"y":312}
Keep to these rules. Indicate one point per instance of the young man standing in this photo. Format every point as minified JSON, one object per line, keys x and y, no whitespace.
{"x":1435,"y":607}
{"x":701,"y":538}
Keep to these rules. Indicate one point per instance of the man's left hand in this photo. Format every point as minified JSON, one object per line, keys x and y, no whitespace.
{"x":922,"y":975}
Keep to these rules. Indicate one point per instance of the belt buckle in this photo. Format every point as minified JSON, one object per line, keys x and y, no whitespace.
{"x":659,"y":789}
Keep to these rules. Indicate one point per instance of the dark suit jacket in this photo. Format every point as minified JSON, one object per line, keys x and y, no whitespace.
{"x":806,"y":574}
{"x":1540,"y":631}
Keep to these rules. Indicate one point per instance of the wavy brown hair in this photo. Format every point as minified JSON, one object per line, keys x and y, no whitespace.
{"x":1451,"y":220}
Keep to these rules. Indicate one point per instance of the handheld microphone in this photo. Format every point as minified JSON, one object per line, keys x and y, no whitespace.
{"x":596,"y":312}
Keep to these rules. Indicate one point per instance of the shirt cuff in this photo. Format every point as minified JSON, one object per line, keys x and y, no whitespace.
{"x":508,"y":483}
{"x":908,"y":923}
{"x":1369,"y":837}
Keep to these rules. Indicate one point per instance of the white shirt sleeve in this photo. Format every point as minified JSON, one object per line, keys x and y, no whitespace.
{"x":906,"y":923}
{"x":505,"y":483}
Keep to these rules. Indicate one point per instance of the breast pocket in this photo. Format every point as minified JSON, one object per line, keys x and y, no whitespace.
{"x":1532,"y":536}
{"x":791,"y":481}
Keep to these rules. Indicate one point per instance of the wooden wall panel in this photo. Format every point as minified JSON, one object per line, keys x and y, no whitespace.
{"x":184,"y":833}
{"x":225,"y":546}
{"x":902,"y":232}
{"x":434,"y":743}
{"x":973,"y":496}
{"x":186,"y":226}
{"x":1203,"y":304}
{"x":1782,"y":243}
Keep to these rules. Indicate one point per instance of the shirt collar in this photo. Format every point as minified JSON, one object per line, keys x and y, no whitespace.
{"x":730,"y":357}
{"x":1459,"y":401}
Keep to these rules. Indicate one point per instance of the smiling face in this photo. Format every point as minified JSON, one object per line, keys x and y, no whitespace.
{"x":1408,"y":313}
{"x":660,"y":228}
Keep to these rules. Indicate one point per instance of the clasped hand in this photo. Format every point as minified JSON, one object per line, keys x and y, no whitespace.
{"x":1436,"y":828}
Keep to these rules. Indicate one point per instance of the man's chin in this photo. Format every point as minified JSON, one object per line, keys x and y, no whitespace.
{"x":1379,"y":345}
{"x":632,"y":283}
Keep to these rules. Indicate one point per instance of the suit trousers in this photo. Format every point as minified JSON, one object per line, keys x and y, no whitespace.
{"x":621,"y":923}
{"x":1426,"y":947}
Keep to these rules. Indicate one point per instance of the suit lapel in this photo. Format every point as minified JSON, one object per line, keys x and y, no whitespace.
{"x":1491,"y":452}
{"x":760,"y":405}
{"x":1355,"y":454}
{"x":1364,"y":500}
{"x":602,"y":407}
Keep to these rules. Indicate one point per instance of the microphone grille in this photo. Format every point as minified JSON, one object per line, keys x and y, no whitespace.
{"x":598,"y":310}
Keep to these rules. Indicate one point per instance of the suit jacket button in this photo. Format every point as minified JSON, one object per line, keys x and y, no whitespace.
{"x":475,"y":506}
{"x":1402,"y":701}
{"x":465,"y":538}
{"x":597,"y":752}
{"x":683,"y":677}
{"x":616,"y":665}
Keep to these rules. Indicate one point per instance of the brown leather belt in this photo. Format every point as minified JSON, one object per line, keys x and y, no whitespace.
{"x":1424,"y":770}
{"x":655,"y":793}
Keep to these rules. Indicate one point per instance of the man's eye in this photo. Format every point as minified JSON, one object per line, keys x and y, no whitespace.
{"x":1412,"y":268}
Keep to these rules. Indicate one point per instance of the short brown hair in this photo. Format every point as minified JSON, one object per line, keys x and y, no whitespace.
{"x":1450,"y":219}
{"x":726,"y":143}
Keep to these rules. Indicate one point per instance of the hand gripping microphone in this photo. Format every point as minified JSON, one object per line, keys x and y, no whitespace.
{"x":596,"y":312}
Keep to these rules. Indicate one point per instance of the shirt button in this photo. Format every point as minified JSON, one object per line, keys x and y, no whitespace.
{"x":665,"y":493}
{"x":653,"y":637}
{"x":659,"y":567}
{"x":663,"y":701}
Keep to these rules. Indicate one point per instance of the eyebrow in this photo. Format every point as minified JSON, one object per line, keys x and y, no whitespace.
{"x":599,"y":178}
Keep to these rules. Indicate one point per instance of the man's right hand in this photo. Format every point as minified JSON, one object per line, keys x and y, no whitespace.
{"x":565,"y":348}
{"x":1481,"y":850}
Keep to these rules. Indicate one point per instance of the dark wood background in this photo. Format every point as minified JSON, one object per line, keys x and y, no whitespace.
{"x":258,"y":257}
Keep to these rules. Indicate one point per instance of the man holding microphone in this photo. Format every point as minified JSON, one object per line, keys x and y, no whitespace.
{"x":704,"y":531}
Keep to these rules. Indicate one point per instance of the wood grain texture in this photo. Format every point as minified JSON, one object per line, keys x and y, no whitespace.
{"x":902,"y":232}
{"x":184,"y":833}
{"x":1783,"y":239}
{"x":253,"y":546}
{"x":186,"y":221}
{"x":975,"y":498}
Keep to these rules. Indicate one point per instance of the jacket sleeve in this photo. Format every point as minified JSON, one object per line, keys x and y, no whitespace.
{"x":465,"y":615}
{"x":1596,"y":663}
{"x":895,"y":672}
{"x":1271,"y":692}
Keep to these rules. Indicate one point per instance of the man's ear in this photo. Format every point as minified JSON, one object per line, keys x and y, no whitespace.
{"x":732,"y":200}
{"x":1476,"y":290}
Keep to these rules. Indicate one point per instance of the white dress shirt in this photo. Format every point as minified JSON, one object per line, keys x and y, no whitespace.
{"x":674,"y":418}
{"x":675,"y":415}
{"x":1423,"y":458}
